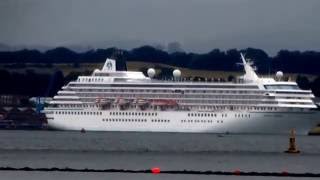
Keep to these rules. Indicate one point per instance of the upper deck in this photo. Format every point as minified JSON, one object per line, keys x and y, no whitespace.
{"x":248,"y":90}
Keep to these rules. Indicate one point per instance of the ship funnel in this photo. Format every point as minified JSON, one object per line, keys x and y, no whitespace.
{"x":109,"y":65}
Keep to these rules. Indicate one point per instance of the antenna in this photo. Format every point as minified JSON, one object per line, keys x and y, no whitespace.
{"x":243,"y":59}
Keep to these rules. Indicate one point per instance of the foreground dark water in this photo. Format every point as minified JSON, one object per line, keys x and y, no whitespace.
{"x":169,"y":151}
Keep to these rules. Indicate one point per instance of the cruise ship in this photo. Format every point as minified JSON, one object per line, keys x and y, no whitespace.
{"x":111,"y":100}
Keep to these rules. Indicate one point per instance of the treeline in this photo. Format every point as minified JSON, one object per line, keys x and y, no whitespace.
{"x":30,"y":83}
{"x":307,"y":62}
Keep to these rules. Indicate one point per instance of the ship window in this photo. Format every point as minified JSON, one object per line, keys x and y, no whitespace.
{"x":286,"y":87}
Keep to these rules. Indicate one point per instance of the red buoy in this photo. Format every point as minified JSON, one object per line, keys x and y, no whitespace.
{"x":237,"y":172}
{"x":284,"y":173}
{"x":155,"y":170}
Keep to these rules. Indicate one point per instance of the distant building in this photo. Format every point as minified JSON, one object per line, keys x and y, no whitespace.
{"x":9,"y":100}
{"x":41,"y":100}
{"x":16,"y":112}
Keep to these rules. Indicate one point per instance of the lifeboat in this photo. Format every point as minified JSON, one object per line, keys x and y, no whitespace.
{"x":103,"y":101}
{"x":164,"y":102}
{"x":142,"y":102}
{"x":123,"y":101}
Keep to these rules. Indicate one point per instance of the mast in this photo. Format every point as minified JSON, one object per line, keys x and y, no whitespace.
{"x":249,"y":75}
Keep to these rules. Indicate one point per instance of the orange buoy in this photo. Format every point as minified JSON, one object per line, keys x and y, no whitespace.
{"x":237,"y":172}
{"x":292,"y":143}
{"x":155,"y":170}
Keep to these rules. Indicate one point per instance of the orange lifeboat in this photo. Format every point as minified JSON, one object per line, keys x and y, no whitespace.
{"x":164,"y":102}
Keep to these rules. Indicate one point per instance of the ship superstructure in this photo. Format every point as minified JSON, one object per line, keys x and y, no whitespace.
{"x":111,"y":100}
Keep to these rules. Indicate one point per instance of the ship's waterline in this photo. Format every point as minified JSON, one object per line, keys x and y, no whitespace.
{"x":111,"y":100}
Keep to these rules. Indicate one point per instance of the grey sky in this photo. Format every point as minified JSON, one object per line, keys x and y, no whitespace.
{"x":199,"y":25}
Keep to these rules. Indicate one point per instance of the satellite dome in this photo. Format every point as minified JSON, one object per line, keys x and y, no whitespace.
{"x":151,"y":72}
{"x":279,"y":74}
{"x":176,"y":73}
{"x":96,"y":71}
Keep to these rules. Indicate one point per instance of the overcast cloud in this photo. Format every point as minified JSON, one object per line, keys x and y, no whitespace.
{"x":199,"y":25}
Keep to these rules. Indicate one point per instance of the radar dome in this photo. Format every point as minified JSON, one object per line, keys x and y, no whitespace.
{"x":279,"y":74}
{"x":176,"y":73}
{"x":96,"y":71}
{"x":151,"y":72}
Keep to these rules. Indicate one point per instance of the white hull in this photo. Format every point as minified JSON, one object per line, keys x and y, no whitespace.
{"x":175,"y":121}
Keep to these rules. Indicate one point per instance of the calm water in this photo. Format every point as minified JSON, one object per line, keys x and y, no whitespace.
{"x":151,"y":142}
{"x":170,"y":151}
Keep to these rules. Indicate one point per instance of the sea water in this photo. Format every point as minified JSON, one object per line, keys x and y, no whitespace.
{"x":139,"y":151}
